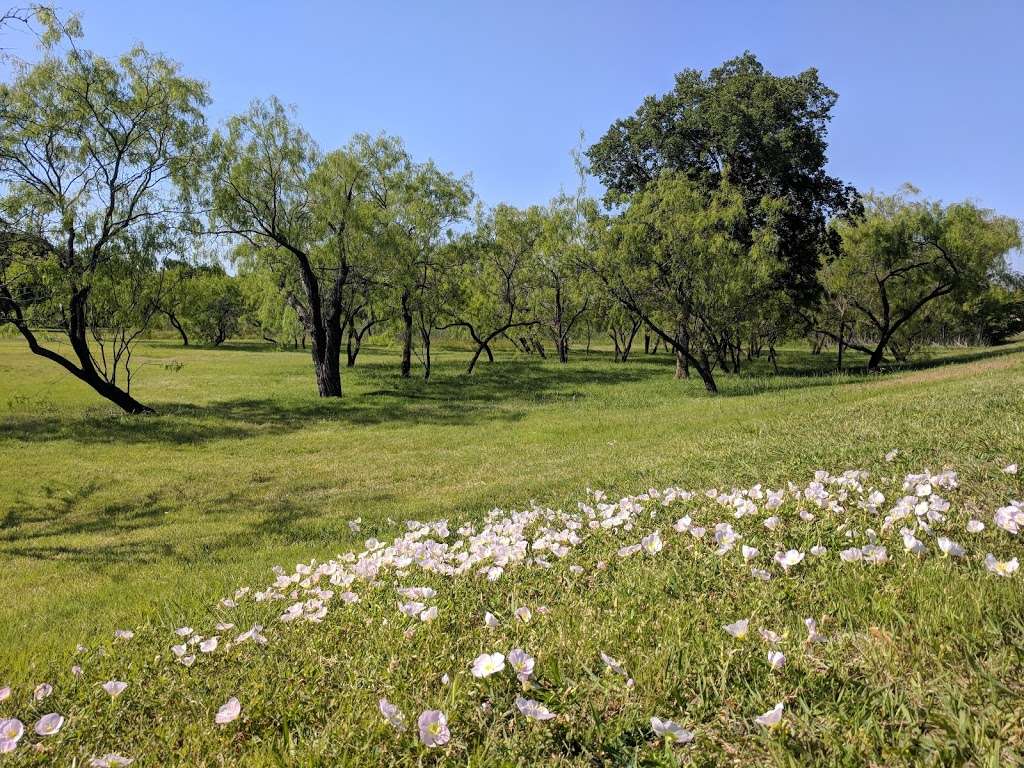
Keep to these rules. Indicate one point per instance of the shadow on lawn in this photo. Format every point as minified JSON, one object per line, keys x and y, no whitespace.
{"x":503,"y":392}
{"x":69,"y":525}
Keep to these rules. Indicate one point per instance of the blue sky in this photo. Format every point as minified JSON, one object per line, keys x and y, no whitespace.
{"x":930,"y":92}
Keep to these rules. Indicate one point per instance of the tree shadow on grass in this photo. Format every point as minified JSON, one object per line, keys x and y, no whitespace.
{"x":502,"y":392}
{"x":72,"y":527}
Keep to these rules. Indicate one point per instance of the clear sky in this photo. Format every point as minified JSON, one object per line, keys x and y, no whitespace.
{"x":930,"y":91}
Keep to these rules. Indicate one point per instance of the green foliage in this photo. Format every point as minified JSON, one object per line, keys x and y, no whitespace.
{"x":766,"y":134}
{"x":904,"y":255}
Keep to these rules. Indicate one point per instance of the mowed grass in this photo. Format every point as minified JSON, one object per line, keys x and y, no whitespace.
{"x":112,"y":521}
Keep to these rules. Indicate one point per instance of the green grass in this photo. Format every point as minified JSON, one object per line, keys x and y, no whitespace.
{"x":111,"y":521}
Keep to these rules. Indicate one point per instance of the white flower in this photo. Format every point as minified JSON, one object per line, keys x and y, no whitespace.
{"x":392,"y":714}
{"x":776,"y":659}
{"x":612,"y":664}
{"x":851,"y":555}
{"x":738,"y":629}
{"x":789,"y":558}
{"x":491,"y":621}
{"x":1010,"y":469}
{"x":524,"y":614}
{"x":188,"y":661}
{"x":533,"y":709}
{"x":670,"y":731}
{"x":771,"y":718}
{"x":228,"y":712}
{"x":487,"y":664}
{"x":1010,"y":518}
{"x":430,"y":614}
{"x":949,"y":547}
{"x":114,"y":687}
{"x":1000,"y":567}
{"x":209,"y":645}
{"x":110,"y":760}
{"x":11,"y":730}
{"x":913,"y":544}
{"x":772,"y":638}
{"x":123,"y":634}
{"x":433,"y":727}
{"x":773,"y":522}
{"x":749,"y":553}
{"x":49,"y":724}
{"x":652,"y":544}
{"x":891,"y":455}
{"x":42,"y":691}
{"x":813,"y":636}
{"x":817,"y":550}
{"x":5,"y":692}
{"x":760,"y":573}
{"x":522,"y":663}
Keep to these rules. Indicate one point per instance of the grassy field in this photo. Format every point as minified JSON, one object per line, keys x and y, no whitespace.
{"x":145,"y":523}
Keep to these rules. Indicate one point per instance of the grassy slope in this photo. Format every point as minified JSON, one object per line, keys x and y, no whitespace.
{"x":114,"y":522}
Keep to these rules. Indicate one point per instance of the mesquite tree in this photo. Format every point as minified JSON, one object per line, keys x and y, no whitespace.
{"x":904,"y":256}
{"x":678,"y":260}
{"x":90,"y":153}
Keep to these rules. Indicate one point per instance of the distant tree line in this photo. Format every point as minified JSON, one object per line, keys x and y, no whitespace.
{"x":721,"y":234}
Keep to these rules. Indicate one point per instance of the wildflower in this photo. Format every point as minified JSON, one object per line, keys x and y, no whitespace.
{"x":433,"y":727}
{"x":749,"y":553}
{"x":228,"y":712}
{"x":487,"y":664}
{"x":738,"y":629}
{"x":975,"y":526}
{"x":392,"y":714}
{"x":11,"y":731}
{"x":773,"y":522}
{"x":670,"y":731}
{"x":42,"y":691}
{"x":891,"y":455}
{"x":522,"y":663}
{"x":5,"y":692}
{"x":114,"y":687}
{"x":789,"y":559}
{"x":776,"y":659}
{"x":183,"y":631}
{"x":533,"y":709}
{"x":652,"y":544}
{"x":429,"y":615}
{"x":813,"y":636}
{"x":818,"y":550}
{"x":110,"y":760}
{"x":771,"y":718}
{"x":1000,"y":567}
{"x":50,"y":724}
{"x":524,"y":614}
{"x":76,"y":670}
{"x":760,"y":573}
{"x":188,"y":661}
{"x":123,"y":634}
{"x":950,"y":547}
{"x":209,"y":645}
{"x":612,"y":664}
{"x":490,"y":621}
{"x":772,"y":638}
{"x":1010,"y":469}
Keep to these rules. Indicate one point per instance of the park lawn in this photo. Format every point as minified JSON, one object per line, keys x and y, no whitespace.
{"x":112,"y":521}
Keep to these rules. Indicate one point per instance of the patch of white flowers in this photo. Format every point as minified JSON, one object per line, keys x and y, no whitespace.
{"x":918,"y":523}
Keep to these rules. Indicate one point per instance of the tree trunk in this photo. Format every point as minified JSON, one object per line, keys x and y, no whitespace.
{"x":875,"y":361}
{"x":178,"y":328}
{"x":327,"y":364}
{"x":406,"y":337}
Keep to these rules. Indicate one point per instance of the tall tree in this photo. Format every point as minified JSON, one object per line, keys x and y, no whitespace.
{"x":301,"y":215}
{"x":906,"y":254}
{"x":765,"y":132}
{"x":678,"y":259}
{"x":494,"y":281}
{"x":90,"y":151}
